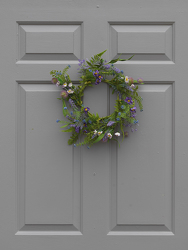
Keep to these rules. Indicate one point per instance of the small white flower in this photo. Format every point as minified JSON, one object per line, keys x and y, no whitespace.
{"x":100,"y":132}
{"x":126,"y":79}
{"x":57,"y":83}
{"x":95,"y":132}
{"x":117,"y":134}
{"x":132,"y":86}
{"x":70,"y":84}
{"x":64,"y":85}
{"x":70,"y":91}
{"x":109,"y":135}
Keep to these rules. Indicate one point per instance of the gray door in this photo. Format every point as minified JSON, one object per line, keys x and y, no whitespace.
{"x":55,"y":196}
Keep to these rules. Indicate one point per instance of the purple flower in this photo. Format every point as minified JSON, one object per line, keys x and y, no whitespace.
{"x":77,"y":129}
{"x":93,"y":136}
{"x":128,"y":100}
{"x":70,"y":118}
{"x":58,"y":121}
{"x":133,"y":109}
{"x":81,"y":62}
{"x":97,"y":81}
{"x":73,"y":105}
{"x":110,"y":123}
{"x":95,"y":73}
{"x":107,"y":66}
{"x":117,"y":70}
{"x":128,"y":87}
{"x":64,"y":94}
{"x":86,"y":110}
{"x":54,"y":80}
{"x":100,"y":77}
{"x":105,"y":138}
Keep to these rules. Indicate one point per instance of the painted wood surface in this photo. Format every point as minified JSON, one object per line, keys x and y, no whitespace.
{"x":55,"y":196}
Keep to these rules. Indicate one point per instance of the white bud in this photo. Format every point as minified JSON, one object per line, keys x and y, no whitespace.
{"x":117,"y":134}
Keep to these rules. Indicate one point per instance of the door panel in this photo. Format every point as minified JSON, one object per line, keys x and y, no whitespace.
{"x":40,"y":160}
{"x":49,"y":41}
{"x":143,"y":170}
{"x":55,"y":196}
{"x":130,"y":38}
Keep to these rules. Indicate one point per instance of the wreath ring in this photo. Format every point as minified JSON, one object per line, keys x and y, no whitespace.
{"x":80,"y":120}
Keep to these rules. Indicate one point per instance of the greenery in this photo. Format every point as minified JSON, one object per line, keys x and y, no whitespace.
{"x":80,"y":120}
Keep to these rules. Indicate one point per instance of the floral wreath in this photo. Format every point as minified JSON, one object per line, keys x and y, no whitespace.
{"x":80,"y":120}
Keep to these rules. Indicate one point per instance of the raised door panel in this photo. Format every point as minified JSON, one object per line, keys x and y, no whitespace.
{"x":48,"y":171}
{"x":142,"y":179}
{"x":49,"y":41}
{"x":146,"y":40}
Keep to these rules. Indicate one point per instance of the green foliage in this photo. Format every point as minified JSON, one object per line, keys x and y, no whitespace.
{"x":73,"y":138}
{"x":64,"y":126}
{"x":99,"y":137}
{"x":64,"y":122}
{"x":83,"y":122}
{"x":118,"y":59}
{"x":77,"y":115}
{"x":139,"y":101}
{"x":100,"y":54}
{"x":64,"y":105}
{"x":117,"y":105}
{"x":68,"y":130}
{"x":86,"y":141}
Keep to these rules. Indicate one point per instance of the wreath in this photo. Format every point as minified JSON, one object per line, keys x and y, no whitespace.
{"x":80,"y":119}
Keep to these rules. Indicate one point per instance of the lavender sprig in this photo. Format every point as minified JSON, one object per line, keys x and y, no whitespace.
{"x":128,"y":87}
{"x":73,"y":105}
{"x":110,"y":123}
